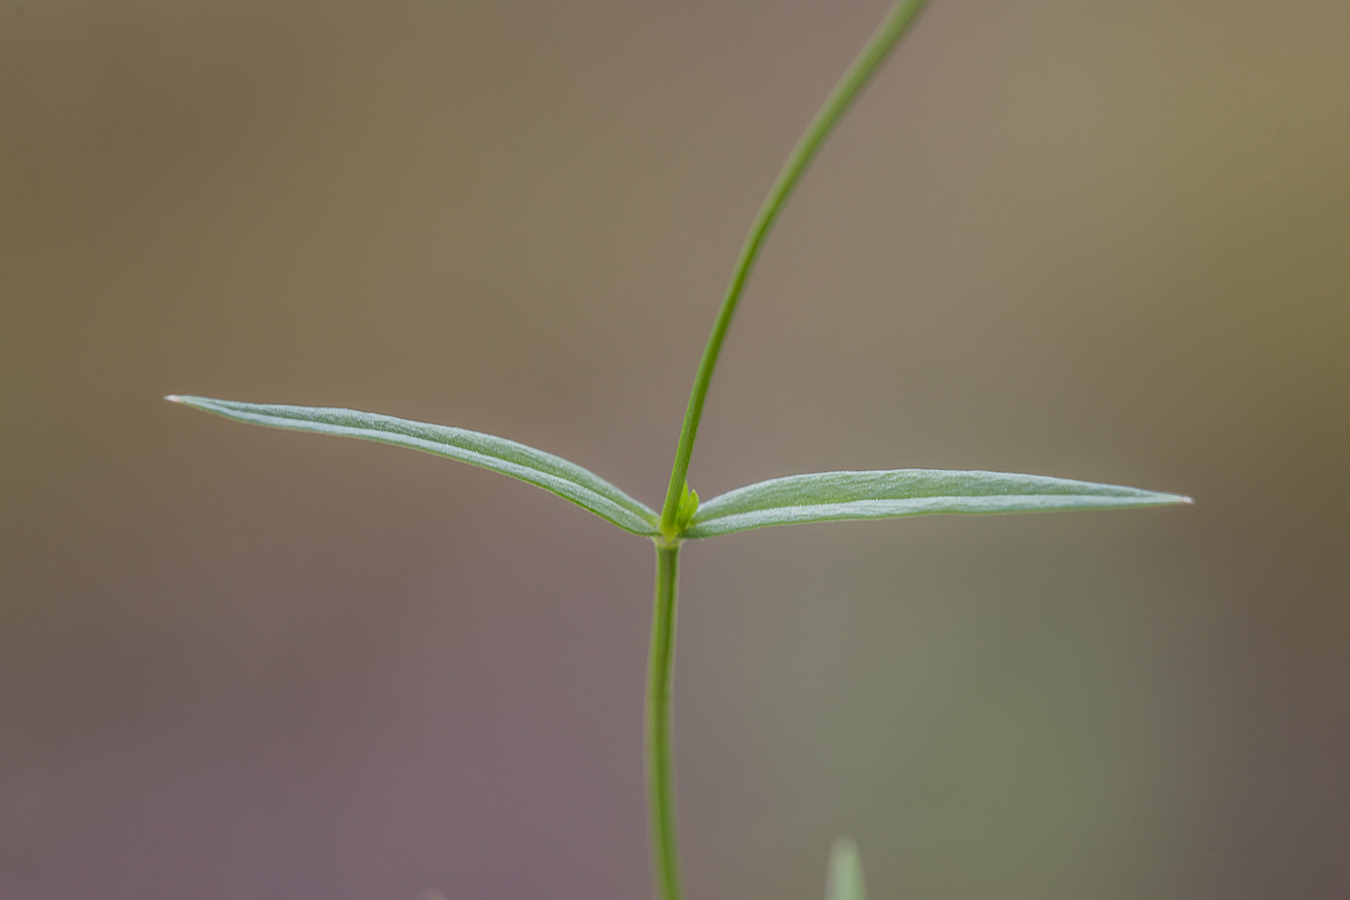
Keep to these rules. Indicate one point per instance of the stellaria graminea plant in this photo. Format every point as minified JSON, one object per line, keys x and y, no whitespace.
{"x":816,"y":497}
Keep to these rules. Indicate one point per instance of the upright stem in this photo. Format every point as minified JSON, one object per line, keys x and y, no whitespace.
{"x":896,"y":23}
{"x":660,"y":764}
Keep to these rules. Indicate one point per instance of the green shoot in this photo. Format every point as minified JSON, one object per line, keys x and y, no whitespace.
{"x":878,"y":47}
{"x":844,"y":878}
{"x":818,"y":497}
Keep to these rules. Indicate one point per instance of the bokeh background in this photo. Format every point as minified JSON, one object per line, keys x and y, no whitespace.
{"x":1107,"y":241}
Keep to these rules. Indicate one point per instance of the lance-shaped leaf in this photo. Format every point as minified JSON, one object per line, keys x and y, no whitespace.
{"x":844,"y":878}
{"x":552,"y":473}
{"x":829,"y":496}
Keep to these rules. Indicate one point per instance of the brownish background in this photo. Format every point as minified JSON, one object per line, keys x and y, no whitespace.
{"x":1099,"y":240}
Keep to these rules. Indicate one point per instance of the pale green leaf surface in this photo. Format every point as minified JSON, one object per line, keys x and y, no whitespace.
{"x":831,"y":496}
{"x":552,"y":473}
{"x":844,"y":878}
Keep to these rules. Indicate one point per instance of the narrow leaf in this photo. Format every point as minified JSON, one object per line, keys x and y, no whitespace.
{"x":552,"y":473}
{"x":830,"y":496}
{"x":844,"y":879}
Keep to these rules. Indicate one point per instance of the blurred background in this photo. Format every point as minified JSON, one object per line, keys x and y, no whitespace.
{"x":1100,"y":241}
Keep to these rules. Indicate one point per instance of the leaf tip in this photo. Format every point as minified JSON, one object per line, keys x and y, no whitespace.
{"x":173,"y":398}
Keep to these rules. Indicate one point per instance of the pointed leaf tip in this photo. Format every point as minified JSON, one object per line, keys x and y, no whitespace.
{"x":888,"y":494}
{"x":552,"y":473}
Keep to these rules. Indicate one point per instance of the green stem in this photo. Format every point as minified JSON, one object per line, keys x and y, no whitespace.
{"x":660,"y":663}
{"x":660,"y":764}
{"x":896,"y":23}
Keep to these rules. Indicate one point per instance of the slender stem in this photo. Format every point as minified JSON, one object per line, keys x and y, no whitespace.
{"x":660,"y":663}
{"x":896,"y":23}
{"x":660,"y":763}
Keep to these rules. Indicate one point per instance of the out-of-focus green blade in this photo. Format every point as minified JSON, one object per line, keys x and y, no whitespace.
{"x":844,"y":879}
{"x":552,"y":473}
{"x":830,"y":496}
